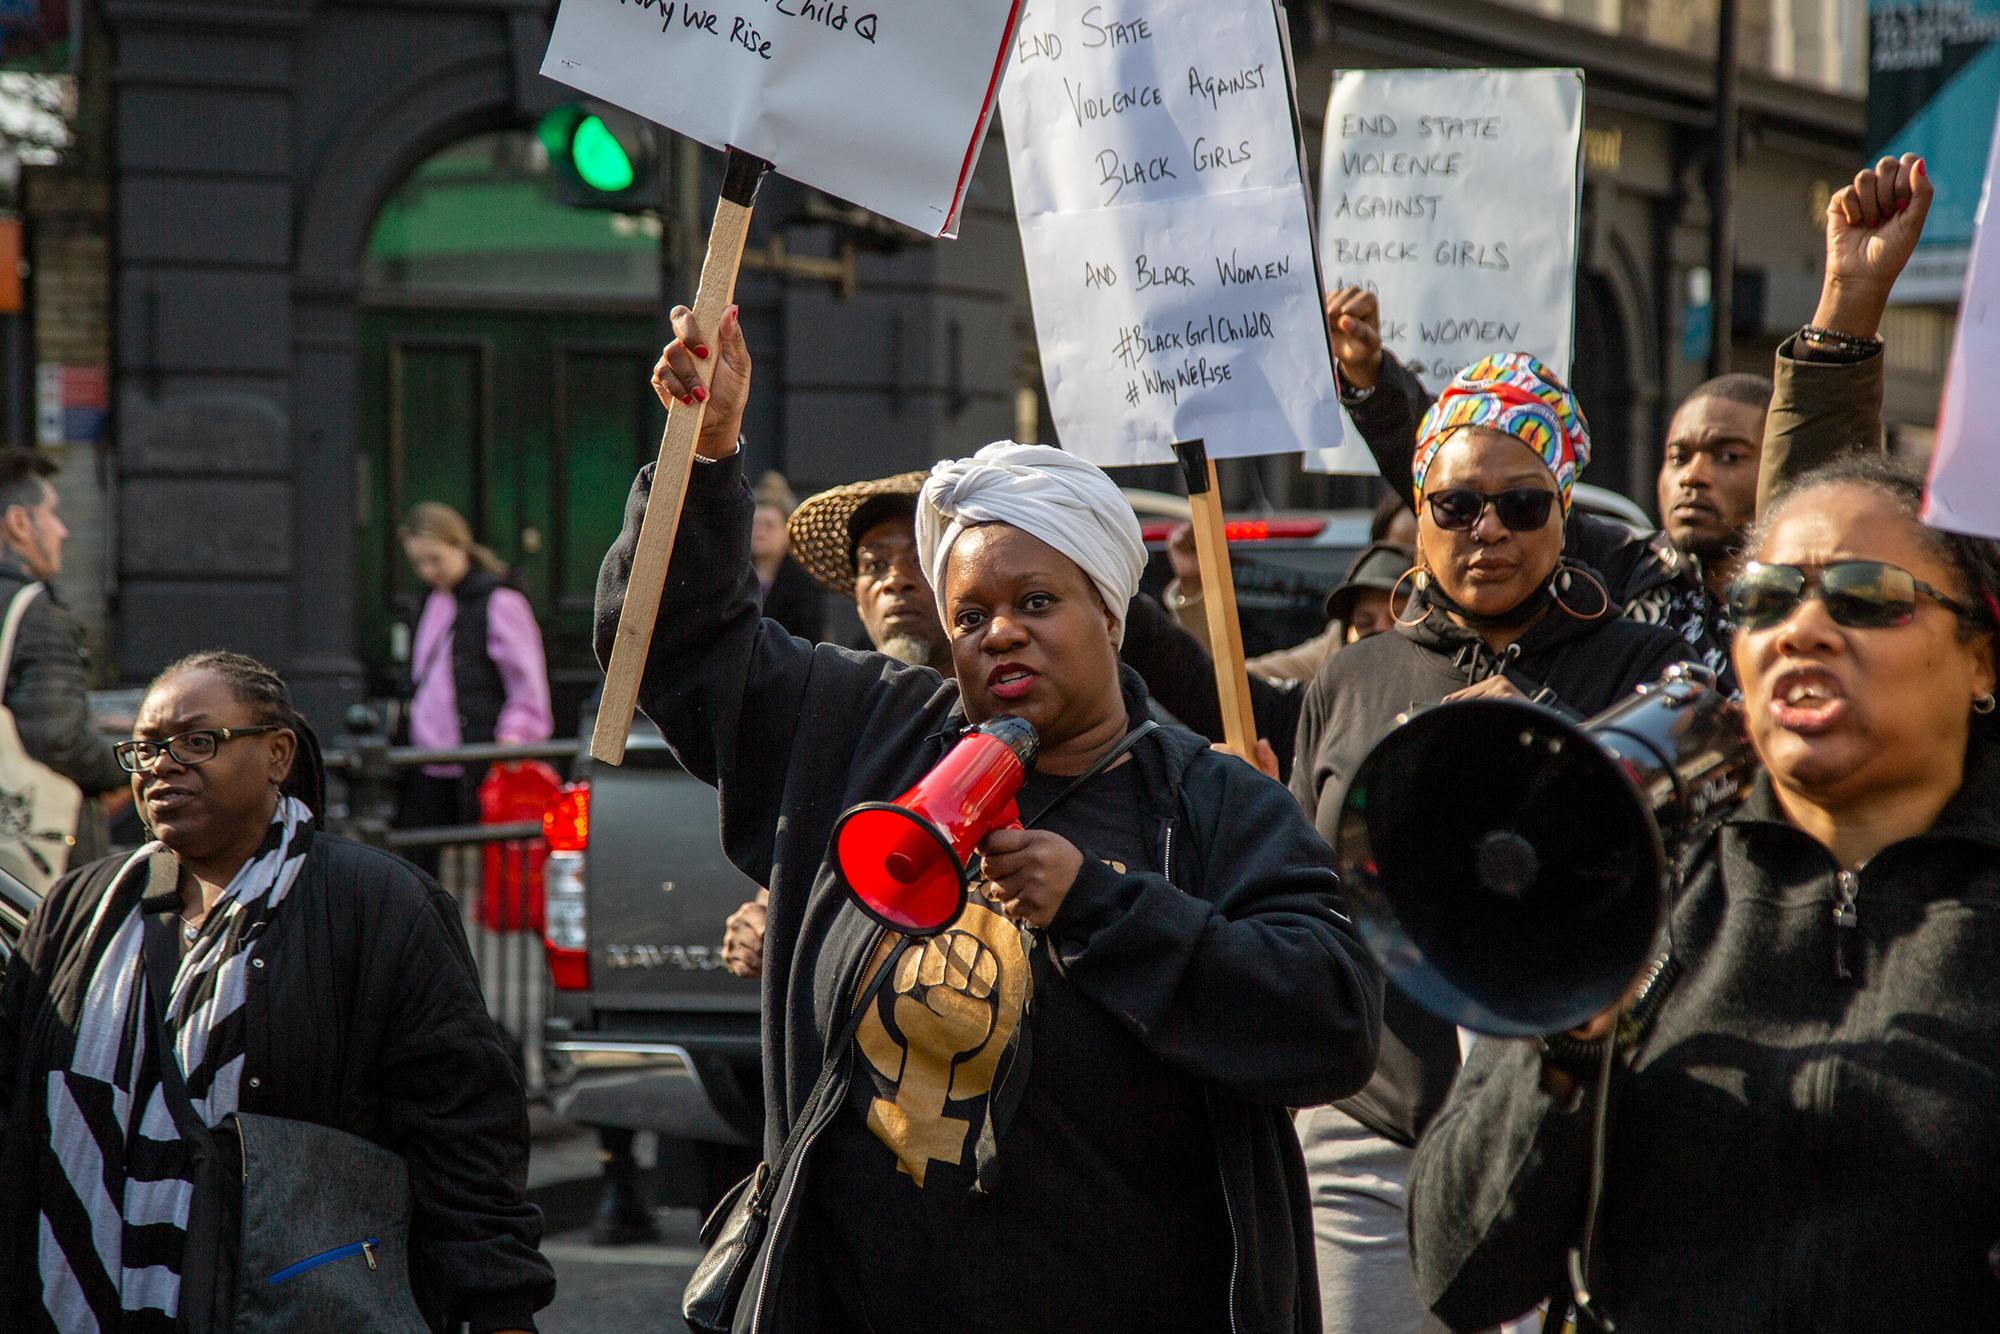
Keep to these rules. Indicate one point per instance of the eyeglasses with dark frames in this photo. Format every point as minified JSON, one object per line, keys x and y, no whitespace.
{"x":196,"y":746}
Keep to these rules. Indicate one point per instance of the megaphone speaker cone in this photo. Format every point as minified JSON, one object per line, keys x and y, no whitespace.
{"x":1502,"y":866}
{"x":899,"y":868}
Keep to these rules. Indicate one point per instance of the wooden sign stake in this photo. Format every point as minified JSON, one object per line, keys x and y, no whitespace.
{"x":670,"y":477}
{"x":1218,"y":596}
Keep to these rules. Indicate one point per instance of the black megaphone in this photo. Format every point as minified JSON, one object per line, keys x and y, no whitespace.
{"x":1509,"y":867}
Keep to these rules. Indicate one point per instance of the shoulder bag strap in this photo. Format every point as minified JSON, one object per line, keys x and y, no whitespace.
{"x":1104,"y":761}
{"x":808,"y":1109}
{"x":162,"y":962}
{"x":16,"y":609}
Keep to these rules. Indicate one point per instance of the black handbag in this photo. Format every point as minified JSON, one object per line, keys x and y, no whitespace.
{"x":734,"y":1233}
{"x":294,"y":1227}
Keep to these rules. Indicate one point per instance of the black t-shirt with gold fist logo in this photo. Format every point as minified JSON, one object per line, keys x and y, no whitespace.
{"x":1100,"y":1203}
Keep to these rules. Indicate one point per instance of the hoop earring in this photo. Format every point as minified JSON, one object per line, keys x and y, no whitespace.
{"x":1567,"y":576}
{"x":1416,"y":598}
{"x":1985,"y":704}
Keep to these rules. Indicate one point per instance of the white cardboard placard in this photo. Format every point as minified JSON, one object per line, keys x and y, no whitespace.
{"x":1157,"y":177}
{"x":881,"y":102}
{"x":1453,"y":195}
{"x":1965,"y":469}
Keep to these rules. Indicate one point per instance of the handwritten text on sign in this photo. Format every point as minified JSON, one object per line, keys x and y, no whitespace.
{"x":1163,"y":215}
{"x":881,"y":102}
{"x":1452,"y":193}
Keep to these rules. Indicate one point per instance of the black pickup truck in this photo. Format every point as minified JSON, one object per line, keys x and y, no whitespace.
{"x":647,"y":1029}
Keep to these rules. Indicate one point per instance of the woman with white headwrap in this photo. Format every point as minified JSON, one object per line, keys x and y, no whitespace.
{"x":1068,"y":1111}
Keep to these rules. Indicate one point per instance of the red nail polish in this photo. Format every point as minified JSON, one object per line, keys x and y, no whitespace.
{"x":701,"y":352}
{"x":700,"y":394}
{"x":687,"y":400}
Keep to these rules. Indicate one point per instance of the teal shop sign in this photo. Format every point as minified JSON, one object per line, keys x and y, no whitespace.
{"x":1933,"y":85}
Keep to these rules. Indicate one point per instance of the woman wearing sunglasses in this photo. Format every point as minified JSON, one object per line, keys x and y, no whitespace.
{"x":1494,"y":609}
{"x":317,"y":980}
{"x":1801,"y":1132}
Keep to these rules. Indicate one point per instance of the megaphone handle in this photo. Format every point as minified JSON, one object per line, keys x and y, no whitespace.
{"x":1010,"y":816}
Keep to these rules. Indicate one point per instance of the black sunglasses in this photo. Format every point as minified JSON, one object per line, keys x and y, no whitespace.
{"x":1859,"y":594}
{"x":190,"y":748}
{"x":1521,"y":509}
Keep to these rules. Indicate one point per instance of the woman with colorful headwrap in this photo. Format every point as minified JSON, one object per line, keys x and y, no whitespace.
{"x":1067,"y":1112}
{"x":1495,"y":609}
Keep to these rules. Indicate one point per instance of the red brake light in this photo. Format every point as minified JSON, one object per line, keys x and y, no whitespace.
{"x":1243,"y":530}
{"x":566,"y":820}
{"x":1265,"y":530}
{"x":569,"y":970}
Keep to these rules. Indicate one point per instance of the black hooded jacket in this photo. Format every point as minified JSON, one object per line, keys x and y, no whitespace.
{"x":1233,"y":965}
{"x":1790,"y":1150}
{"x":1352,"y":703}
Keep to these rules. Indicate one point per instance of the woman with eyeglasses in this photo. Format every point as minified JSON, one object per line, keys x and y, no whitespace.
{"x":1495,"y":609}
{"x":1801,"y":1130}
{"x":318,"y":980}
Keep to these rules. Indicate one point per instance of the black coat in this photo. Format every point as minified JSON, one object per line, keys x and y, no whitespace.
{"x":1789,"y":1150}
{"x":48,"y":692}
{"x":1234,"y":966}
{"x":368,"y":1018}
{"x":1354,"y":701}
{"x":796,"y":602}
{"x":1180,"y":675}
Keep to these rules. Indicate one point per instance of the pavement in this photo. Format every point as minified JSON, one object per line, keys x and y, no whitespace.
{"x":622,"y":1289}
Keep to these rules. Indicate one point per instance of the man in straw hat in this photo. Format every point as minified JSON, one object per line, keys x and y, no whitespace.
{"x":859,"y":540}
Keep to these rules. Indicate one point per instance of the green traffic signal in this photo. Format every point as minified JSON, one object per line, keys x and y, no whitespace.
{"x":600,"y":160}
{"x":594,"y":167}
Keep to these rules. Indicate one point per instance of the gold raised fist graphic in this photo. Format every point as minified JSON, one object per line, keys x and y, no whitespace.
{"x":955,"y":1001}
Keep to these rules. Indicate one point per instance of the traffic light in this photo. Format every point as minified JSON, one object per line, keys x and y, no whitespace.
{"x":601,"y":157}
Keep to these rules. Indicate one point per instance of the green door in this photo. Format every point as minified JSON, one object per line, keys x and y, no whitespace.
{"x":531,"y":425}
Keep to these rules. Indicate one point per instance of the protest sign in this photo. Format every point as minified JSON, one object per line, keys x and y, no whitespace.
{"x":885,"y":106}
{"x":1452,"y":194}
{"x":881,"y":102}
{"x":1965,"y":470}
{"x":1162,"y":203}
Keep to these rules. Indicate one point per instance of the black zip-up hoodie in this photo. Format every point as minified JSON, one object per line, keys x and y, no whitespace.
{"x":1790,"y":1150}
{"x":1234,"y":965}
{"x":1357,"y":697}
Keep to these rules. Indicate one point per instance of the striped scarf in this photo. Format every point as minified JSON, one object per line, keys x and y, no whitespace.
{"x":119,"y":1181}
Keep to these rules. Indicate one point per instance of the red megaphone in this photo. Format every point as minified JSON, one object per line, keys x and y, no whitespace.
{"x":904,"y":861}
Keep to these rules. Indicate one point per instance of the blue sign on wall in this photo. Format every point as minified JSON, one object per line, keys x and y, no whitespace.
{"x":1933,"y":84}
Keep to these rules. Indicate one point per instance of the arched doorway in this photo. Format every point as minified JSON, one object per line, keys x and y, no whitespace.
{"x":503,"y":352}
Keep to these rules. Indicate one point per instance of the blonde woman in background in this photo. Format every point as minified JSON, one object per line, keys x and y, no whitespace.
{"x":477,"y":672}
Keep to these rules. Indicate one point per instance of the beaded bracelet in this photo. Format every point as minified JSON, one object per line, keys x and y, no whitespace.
{"x":1835,"y":340}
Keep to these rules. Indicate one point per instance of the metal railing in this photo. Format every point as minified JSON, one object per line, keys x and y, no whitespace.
{"x":486,"y":868}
